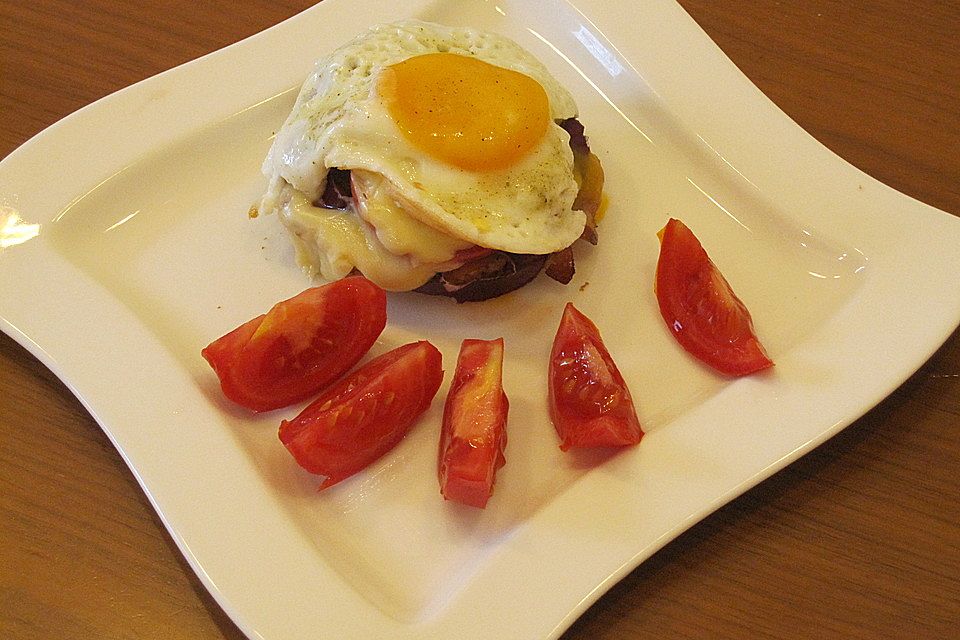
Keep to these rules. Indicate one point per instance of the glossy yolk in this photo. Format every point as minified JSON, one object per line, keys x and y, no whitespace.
{"x":464,"y":111}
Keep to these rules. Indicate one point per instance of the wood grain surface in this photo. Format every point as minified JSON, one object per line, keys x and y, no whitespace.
{"x":859,"y":539}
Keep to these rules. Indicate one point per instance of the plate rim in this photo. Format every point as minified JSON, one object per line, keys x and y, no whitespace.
{"x":817,"y":163}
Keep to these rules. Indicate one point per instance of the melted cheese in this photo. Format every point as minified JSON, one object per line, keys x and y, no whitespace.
{"x":400,"y":233}
{"x":334,"y":242}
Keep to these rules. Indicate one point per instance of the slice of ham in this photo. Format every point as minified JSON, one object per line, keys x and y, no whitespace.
{"x":560,"y":266}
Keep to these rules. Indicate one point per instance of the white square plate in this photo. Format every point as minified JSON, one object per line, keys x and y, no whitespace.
{"x":127,"y":247}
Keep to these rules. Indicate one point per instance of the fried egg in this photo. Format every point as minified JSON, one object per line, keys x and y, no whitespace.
{"x":452,"y":141}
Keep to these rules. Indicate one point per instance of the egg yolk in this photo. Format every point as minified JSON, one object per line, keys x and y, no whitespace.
{"x":466,"y":112}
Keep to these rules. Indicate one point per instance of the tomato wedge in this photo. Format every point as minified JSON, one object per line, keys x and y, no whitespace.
{"x":700,"y":308}
{"x":365,"y":414}
{"x":300,"y":346}
{"x":474,"y":431}
{"x":590,"y":405}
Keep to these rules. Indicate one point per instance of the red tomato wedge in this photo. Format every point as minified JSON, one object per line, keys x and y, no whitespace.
{"x":364,"y":415}
{"x":590,"y":405}
{"x":300,"y":346}
{"x":700,"y":308}
{"x":474,"y":431}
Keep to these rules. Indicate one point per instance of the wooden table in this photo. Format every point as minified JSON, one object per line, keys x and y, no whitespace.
{"x":859,"y":539}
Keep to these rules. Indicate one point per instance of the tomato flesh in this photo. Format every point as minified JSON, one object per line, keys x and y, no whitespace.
{"x":474,"y":435}
{"x":589,"y":402}
{"x":700,"y":308}
{"x":364,"y":415}
{"x":300,"y":346}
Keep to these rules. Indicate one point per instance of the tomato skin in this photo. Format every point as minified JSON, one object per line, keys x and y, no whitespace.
{"x":589,"y":402}
{"x":300,"y":346}
{"x":364,"y":415}
{"x":474,"y":434}
{"x":700,"y":308}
